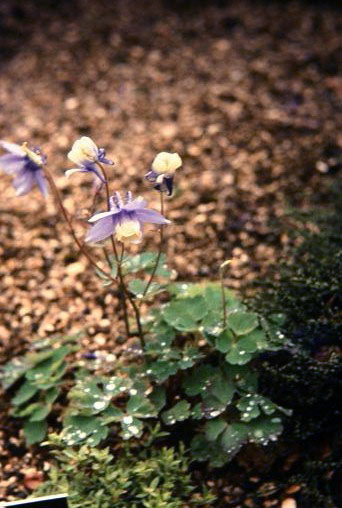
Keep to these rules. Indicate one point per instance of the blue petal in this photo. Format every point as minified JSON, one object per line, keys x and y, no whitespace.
{"x":151,"y":216}
{"x":11,"y":163}
{"x":24,"y":182}
{"x":41,"y":182}
{"x":101,"y":230}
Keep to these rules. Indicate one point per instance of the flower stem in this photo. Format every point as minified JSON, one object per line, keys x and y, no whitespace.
{"x":224,"y":307}
{"x":123,"y":288}
{"x":80,"y":246}
{"x":161,"y":242}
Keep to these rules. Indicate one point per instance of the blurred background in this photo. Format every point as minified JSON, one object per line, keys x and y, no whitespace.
{"x":249,"y":94}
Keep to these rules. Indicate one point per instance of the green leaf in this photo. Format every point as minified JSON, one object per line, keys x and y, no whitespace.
{"x":234,"y":436}
{"x":241,"y":376}
{"x":242,"y":322}
{"x":202,"y":449}
{"x":140,"y":407}
{"x":237,"y":356}
{"x":35,"y":432}
{"x":222,"y":389}
{"x":52,"y":367}
{"x":25,"y":393}
{"x":51,"y":394}
{"x":214,"y":428}
{"x":131,"y":427}
{"x":198,"y":380}
{"x":158,"y":397}
{"x":162,"y":369}
{"x":112,"y":414}
{"x":179,"y":412}
{"x":25,"y":410}
{"x":137,"y":287}
{"x":40,"y":413}
{"x":78,"y":428}
{"x":142,"y":262}
{"x":224,"y":341}
{"x":89,"y":397}
{"x":184,"y":315}
{"x":189,"y":357}
{"x":249,"y":407}
{"x":264,"y":429}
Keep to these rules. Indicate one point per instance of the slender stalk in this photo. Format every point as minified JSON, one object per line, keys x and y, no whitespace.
{"x":123,"y":289}
{"x":223,"y":296}
{"x":160,"y":249}
{"x":131,"y":300}
{"x":106,"y":255}
{"x":80,"y":246}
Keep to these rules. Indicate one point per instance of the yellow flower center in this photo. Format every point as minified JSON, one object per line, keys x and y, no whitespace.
{"x":128,"y":230}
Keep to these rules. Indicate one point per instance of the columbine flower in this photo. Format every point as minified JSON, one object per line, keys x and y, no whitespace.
{"x":123,"y":220}
{"x":85,"y":154}
{"x":162,"y":171}
{"x":26,"y":164}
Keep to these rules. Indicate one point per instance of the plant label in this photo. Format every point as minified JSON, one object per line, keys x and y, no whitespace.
{"x":58,"y":501}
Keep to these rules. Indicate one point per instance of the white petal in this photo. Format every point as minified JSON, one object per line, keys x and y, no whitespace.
{"x":167,"y":163}
{"x":101,"y":215}
{"x":128,"y":230}
{"x":83,"y":150}
{"x":70,"y":172}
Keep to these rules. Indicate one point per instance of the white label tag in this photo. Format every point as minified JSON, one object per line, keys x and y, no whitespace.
{"x":59,"y":501}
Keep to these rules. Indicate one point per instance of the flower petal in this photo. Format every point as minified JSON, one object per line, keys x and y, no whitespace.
{"x":128,"y":230}
{"x":83,"y":150}
{"x":24,"y":182}
{"x":70,"y":172}
{"x":12,"y":148}
{"x":101,"y":230}
{"x":11,"y":163}
{"x":146,"y":215}
{"x":102,"y":215}
{"x":166,"y":162}
{"x":135,"y":204}
{"x":41,"y":182}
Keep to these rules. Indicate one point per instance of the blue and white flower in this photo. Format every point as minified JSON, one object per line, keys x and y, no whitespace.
{"x":85,"y":154}
{"x":124,"y":220}
{"x":163,"y":170}
{"x":27,"y":166}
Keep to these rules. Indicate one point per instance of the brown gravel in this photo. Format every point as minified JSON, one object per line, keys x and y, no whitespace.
{"x":249,"y":94}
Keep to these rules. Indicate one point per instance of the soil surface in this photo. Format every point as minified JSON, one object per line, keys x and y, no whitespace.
{"x":248,"y":93}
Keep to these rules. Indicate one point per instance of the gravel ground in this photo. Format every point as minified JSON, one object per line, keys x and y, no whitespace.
{"x":249,"y":94}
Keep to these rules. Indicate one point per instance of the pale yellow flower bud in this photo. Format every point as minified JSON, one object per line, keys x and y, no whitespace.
{"x":166,"y":163}
{"x":83,"y":150}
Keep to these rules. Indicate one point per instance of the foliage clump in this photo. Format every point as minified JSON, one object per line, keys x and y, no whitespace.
{"x":145,"y":477}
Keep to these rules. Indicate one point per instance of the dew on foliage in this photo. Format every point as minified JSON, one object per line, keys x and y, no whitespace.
{"x":127,"y":420}
{"x":133,"y":430}
{"x":99,"y":404}
{"x":110,"y":387}
{"x":133,"y":391}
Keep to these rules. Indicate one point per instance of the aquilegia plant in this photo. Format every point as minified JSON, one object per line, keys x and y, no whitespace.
{"x":194,"y":360}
